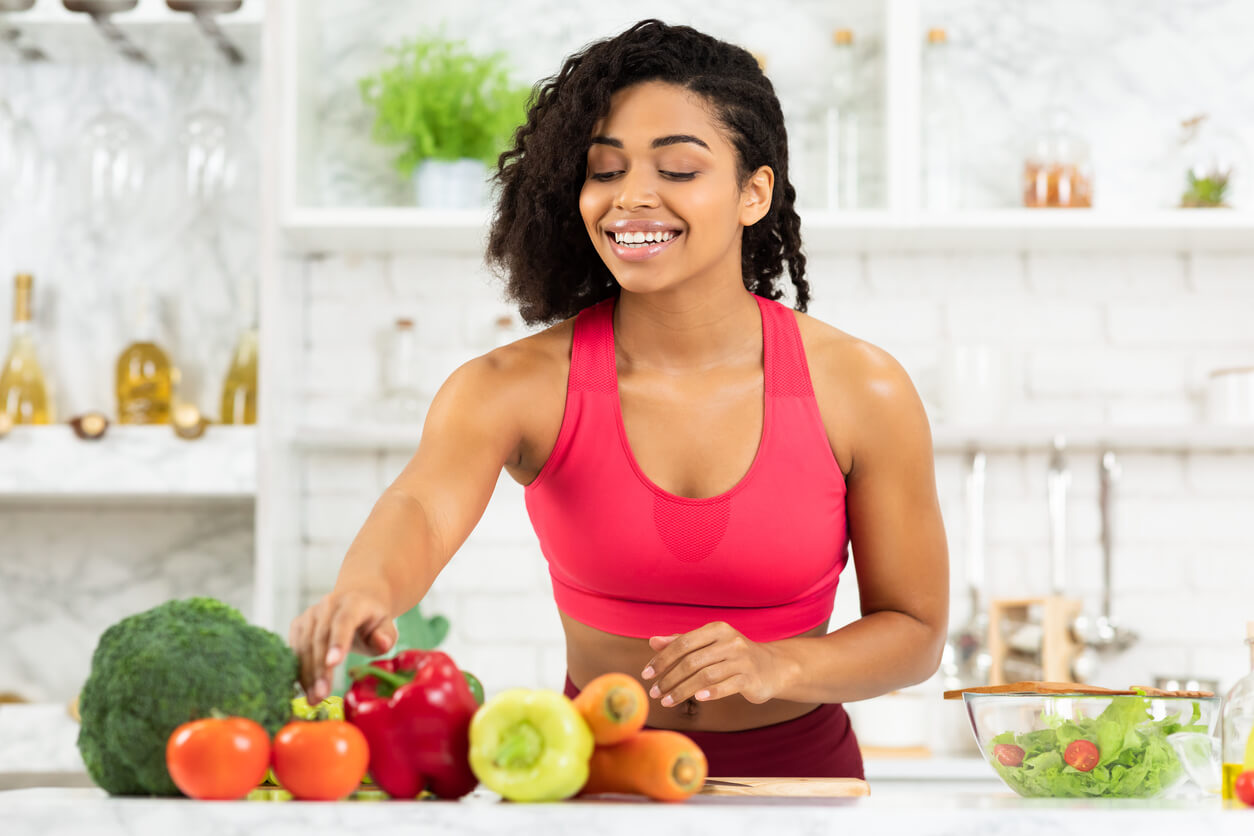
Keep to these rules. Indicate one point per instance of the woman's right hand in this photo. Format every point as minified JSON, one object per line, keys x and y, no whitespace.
{"x":323,"y":635}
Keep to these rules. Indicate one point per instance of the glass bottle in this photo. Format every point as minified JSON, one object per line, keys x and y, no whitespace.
{"x":1058,"y":170}
{"x":23,"y":391}
{"x":840,"y":127}
{"x":239,"y":390}
{"x":940,"y":155}
{"x":145,"y":380}
{"x":402,"y":399}
{"x":1236,"y":723}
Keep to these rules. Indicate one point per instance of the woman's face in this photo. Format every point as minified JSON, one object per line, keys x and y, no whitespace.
{"x":661,"y":199}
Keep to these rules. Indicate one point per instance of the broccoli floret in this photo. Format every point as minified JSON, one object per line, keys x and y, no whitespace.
{"x":177,"y":662}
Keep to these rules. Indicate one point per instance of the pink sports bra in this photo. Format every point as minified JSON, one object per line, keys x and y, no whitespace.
{"x":627,"y":557}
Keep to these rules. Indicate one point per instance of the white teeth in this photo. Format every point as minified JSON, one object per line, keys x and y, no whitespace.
{"x":629,"y":239}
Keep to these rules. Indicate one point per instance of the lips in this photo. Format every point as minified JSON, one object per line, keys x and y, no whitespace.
{"x":639,"y":253}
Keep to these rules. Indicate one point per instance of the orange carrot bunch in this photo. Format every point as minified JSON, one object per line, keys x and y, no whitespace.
{"x":663,"y":765}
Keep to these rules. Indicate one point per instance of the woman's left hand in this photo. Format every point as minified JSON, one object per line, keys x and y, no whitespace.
{"x":710,"y":663}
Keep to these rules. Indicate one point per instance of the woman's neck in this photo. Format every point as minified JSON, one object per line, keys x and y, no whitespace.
{"x":686,"y":329}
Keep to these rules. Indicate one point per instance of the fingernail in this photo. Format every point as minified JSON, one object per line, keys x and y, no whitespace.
{"x":321,"y":688}
{"x":647,"y":673}
{"x":667,"y":701}
{"x":655,"y":692}
{"x":703,"y":695}
{"x":333,"y":656}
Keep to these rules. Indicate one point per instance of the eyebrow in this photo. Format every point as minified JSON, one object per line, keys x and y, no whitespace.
{"x":660,"y":142}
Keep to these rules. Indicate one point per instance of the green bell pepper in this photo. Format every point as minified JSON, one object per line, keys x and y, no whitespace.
{"x":530,"y":745}
{"x":476,"y":687}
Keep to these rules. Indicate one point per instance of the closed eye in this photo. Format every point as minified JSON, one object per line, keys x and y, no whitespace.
{"x":605,"y":176}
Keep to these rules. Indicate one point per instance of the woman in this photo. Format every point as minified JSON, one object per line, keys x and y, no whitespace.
{"x":696,"y":455}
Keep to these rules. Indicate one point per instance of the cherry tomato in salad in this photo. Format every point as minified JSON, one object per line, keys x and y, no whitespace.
{"x":1008,"y":754}
{"x":320,"y":761}
{"x":1244,"y":787}
{"x":1082,"y":754}
{"x":218,"y":758}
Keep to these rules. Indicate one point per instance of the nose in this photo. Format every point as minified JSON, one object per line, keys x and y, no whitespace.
{"x":636,"y":191}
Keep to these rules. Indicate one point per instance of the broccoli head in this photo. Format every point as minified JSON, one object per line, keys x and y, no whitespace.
{"x":177,"y":662}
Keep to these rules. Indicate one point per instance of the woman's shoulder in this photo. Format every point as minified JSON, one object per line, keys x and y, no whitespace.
{"x":832,"y":352}
{"x":852,"y":377}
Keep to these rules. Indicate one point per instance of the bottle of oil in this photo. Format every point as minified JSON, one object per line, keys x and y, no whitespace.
{"x":23,"y":393}
{"x":1236,"y":720}
{"x":145,"y":381}
{"x":239,"y":391}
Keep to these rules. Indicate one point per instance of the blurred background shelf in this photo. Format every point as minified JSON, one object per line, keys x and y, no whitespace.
{"x":1168,"y":438}
{"x":402,"y":229}
{"x":145,"y":13}
{"x":128,"y":463}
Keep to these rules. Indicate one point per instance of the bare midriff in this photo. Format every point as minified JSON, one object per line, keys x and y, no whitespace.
{"x":591,"y":652}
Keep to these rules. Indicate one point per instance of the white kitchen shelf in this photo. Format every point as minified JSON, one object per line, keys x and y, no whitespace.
{"x":376,"y":438}
{"x":146,"y":13}
{"x":401,"y":229}
{"x":1169,"y":438}
{"x":1183,"y":438}
{"x":128,"y":463}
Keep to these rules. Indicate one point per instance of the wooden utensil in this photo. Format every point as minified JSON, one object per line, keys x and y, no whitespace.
{"x":1057,"y":688}
{"x":788,"y":787}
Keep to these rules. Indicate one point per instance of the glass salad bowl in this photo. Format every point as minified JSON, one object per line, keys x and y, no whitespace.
{"x":1096,"y":746}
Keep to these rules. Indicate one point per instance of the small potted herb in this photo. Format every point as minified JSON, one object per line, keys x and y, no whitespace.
{"x":451,"y":111}
{"x":1210,"y":157}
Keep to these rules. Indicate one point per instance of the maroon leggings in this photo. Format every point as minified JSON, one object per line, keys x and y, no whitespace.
{"x":820,"y":744}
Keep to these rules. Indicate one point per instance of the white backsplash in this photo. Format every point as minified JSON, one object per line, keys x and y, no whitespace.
{"x":1122,"y":337}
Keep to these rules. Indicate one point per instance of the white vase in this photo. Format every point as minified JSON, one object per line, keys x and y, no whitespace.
{"x":451,"y":184}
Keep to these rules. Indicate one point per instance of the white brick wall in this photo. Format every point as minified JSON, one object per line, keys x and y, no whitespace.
{"x":1121,"y":338}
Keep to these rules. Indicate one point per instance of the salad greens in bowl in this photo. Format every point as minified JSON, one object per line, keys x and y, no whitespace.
{"x":1089,"y":746}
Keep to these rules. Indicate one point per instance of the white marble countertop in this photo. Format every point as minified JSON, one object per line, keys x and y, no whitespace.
{"x":917,"y":812}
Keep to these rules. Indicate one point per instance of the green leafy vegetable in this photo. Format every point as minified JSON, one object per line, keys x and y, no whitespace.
{"x":440,"y":101}
{"x":1136,"y":761}
{"x":158,"y":669}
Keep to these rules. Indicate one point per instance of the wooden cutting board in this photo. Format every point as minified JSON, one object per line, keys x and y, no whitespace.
{"x":788,"y":787}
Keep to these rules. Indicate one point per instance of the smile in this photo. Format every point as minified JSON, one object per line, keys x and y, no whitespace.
{"x":639,"y":246}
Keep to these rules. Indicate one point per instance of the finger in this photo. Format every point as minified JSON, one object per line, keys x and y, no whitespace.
{"x":690,"y":666}
{"x":702,"y":681}
{"x":660,"y":642}
{"x":298,"y":638}
{"x":320,"y":639}
{"x":735,"y":684}
{"x":383,"y":637}
{"x":679,"y":646}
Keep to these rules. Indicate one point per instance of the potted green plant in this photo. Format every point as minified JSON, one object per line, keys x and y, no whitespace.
{"x":451,"y":111}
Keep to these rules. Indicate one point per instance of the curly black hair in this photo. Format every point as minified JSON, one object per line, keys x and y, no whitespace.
{"x":537,"y":236}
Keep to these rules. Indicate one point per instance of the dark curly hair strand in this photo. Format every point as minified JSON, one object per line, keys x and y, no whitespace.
{"x":537,"y":237}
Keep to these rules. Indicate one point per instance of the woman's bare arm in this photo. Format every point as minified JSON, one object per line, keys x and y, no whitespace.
{"x":474,"y":427}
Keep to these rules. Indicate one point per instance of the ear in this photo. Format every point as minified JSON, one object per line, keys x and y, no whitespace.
{"x":755,"y":198}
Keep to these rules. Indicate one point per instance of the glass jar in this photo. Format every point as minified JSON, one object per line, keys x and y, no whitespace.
{"x":1213,"y":163}
{"x":1236,"y":723}
{"x":1058,"y":169}
{"x":402,"y":401}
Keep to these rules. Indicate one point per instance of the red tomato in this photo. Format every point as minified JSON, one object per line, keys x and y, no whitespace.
{"x":320,"y":760}
{"x":218,"y":758}
{"x":1082,"y":754}
{"x":1008,"y":754}
{"x":1243,"y":786}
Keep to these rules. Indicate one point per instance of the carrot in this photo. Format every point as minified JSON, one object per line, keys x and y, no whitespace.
{"x":615,"y":706}
{"x":664,"y":765}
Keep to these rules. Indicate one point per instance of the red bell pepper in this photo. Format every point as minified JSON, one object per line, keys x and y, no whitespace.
{"x":415,"y":710}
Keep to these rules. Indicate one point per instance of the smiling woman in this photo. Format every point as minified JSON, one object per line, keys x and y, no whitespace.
{"x":698,"y":457}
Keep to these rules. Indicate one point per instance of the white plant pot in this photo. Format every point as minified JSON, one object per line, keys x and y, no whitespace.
{"x":451,"y":184}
